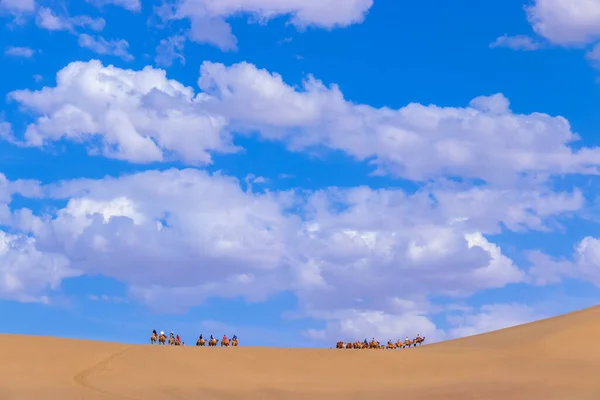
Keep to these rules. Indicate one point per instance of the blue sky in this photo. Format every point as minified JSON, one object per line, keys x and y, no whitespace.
{"x":296,"y":174}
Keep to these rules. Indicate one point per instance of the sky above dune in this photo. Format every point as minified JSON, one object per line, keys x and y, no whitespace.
{"x":297,"y":172}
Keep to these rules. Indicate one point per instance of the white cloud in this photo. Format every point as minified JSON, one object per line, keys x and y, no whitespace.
{"x":49,"y":20}
{"x":490,"y":318}
{"x":27,"y":273}
{"x":170,"y":49}
{"x":517,"y":42}
{"x":24,"y":52}
{"x":17,"y":6}
{"x":584,"y":264}
{"x":140,"y":115}
{"x":131,"y":5}
{"x":150,"y":116}
{"x":208,"y":18}
{"x":347,"y":266}
{"x":566,"y":22}
{"x":594,"y":54}
{"x":353,"y":325}
{"x":98,"y":44}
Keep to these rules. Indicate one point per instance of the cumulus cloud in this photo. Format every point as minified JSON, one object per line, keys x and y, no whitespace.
{"x":98,"y":44}
{"x":358,"y":259}
{"x":179,"y":237}
{"x":566,"y":22}
{"x":355,"y":325}
{"x":24,"y":52}
{"x":584,"y":264}
{"x":142,"y":116}
{"x":491,"y":317}
{"x":208,"y":18}
{"x":26,"y":274}
{"x":517,"y":42}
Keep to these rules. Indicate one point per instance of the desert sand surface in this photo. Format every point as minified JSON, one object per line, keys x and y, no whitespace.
{"x":557,"y":358}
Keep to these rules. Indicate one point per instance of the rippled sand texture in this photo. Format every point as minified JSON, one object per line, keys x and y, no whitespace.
{"x":557,"y":358}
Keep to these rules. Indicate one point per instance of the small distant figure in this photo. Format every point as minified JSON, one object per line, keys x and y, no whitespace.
{"x":234,"y":341}
{"x":153,"y":337}
{"x":225,"y":341}
{"x":212,"y":342}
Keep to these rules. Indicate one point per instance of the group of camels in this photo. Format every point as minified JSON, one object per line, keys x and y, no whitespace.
{"x":374,"y":344}
{"x":173,"y":341}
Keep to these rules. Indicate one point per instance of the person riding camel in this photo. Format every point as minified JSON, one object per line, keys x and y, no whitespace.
{"x":234,"y":337}
{"x":200,"y":337}
{"x":390,"y":341}
{"x":365,"y":342}
{"x":407,"y":340}
{"x":162,"y":333}
{"x":177,"y":339}
{"x":212,"y":337}
{"x":154,"y":332}
{"x":224,"y":338}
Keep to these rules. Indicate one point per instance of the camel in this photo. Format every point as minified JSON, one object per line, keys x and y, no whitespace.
{"x":374,"y":344}
{"x":357,"y":345}
{"x":408,"y":343}
{"x":212,"y":342}
{"x":339,"y":345}
{"x":399,"y":344}
{"x":153,"y":338}
{"x":418,"y":341}
{"x":225,"y":342}
{"x":364,"y":345}
{"x":200,"y":342}
{"x":235,"y":342}
{"x":391,"y":345}
{"x":162,"y":339}
{"x":348,"y":345}
{"x":177,"y":342}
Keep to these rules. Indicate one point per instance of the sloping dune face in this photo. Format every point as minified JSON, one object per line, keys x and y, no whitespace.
{"x":558,"y":358}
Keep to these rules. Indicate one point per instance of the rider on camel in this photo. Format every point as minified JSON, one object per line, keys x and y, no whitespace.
{"x":224,"y":338}
{"x":234,"y":337}
{"x":177,"y":339}
{"x":212,"y":337}
{"x":154,"y":332}
{"x":200,"y":337}
{"x":365,"y":342}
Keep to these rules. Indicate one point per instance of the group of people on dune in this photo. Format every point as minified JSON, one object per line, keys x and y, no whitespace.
{"x":374,"y":344}
{"x":176,"y":340}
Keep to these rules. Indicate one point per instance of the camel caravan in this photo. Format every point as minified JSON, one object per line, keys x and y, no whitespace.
{"x":175,"y":340}
{"x":374,"y":344}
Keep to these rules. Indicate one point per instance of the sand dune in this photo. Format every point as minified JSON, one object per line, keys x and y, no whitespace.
{"x":557,"y":358}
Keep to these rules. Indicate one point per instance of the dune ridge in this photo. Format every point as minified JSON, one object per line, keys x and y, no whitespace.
{"x":551,"y":359}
